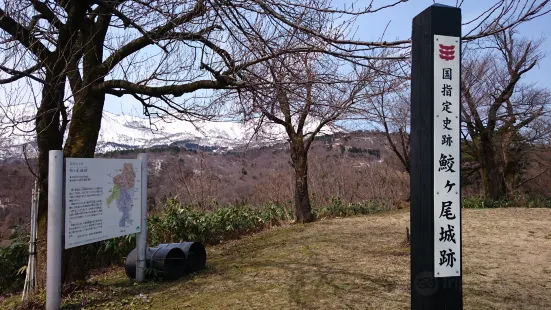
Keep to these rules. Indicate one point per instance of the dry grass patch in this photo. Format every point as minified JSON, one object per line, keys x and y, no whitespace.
{"x":359,"y":263}
{"x":351,"y":263}
{"x":507,"y":258}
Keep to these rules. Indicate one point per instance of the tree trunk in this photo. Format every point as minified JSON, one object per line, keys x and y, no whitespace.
{"x":85,"y":125}
{"x":511,"y":159}
{"x":303,"y":208}
{"x":50,"y":126}
{"x":81,"y":142}
{"x":493,"y":184}
{"x":49,"y":137}
{"x":509,"y":176}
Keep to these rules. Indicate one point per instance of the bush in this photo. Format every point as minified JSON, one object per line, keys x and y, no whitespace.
{"x":519,"y":201}
{"x":338,"y":208}
{"x":176,"y":223}
{"x":180,"y":223}
{"x":13,"y":259}
{"x":108,"y":252}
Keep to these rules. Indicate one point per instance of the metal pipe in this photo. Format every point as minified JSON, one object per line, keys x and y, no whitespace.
{"x":141,"y":237}
{"x":55,"y":226}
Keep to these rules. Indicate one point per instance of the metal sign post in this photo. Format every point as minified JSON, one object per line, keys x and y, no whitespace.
{"x":436,"y":281}
{"x":55,"y":226}
{"x":141,"y":237}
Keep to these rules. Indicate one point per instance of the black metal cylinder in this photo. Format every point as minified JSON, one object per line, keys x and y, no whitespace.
{"x":196,"y":255}
{"x":171,"y":262}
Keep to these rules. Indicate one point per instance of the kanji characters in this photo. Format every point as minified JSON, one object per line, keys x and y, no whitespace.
{"x":447,"y":257}
{"x":447,"y":90}
{"x":447,"y":74}
{"x":447,"y":210}
{"x":447,"y":140}
{"x":446,"y":106}
{"x":446,"y":163}
{"x":447,"y":235}
{"x":446,"y":123}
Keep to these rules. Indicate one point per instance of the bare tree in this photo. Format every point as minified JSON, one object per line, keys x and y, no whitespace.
{"x":157,"y":53}
{"x":502,"y":116}
{"x":500,"y":113}
{"x":194,"y":185}
{"x":389,"y":110}
{"x":304,"y":94}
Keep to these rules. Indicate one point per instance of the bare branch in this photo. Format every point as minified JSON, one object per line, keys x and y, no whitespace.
{"x":119,"y":87}
{"x":16,"y":74}
{"x":24,"y":36}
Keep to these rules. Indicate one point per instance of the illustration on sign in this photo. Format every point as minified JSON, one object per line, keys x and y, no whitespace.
{"x":102,"y":199}
{"x":447,"y":216}
{"x":122,"y":192}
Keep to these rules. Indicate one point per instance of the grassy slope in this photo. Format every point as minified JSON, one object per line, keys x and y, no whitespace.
{"x":350,"y":263}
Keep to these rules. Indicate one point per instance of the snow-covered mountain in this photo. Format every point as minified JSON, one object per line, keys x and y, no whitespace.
{"x":121,"y":132}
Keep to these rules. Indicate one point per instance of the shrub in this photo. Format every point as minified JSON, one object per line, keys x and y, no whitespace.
{"x":176,"y":223}
{"x":112,"y":251}
{"x":519,"y":201}
{"x":13,"y":259}
{"x":338,"y":208}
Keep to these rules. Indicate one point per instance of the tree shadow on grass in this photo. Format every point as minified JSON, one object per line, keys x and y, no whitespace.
{"x":292,"y":260}
{"x":123,"y":293}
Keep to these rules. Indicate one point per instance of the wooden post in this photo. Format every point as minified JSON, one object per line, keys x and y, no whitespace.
{"x":436,"y":282}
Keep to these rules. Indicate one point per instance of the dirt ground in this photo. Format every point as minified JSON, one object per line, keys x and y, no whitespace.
{"x":351,"y":263}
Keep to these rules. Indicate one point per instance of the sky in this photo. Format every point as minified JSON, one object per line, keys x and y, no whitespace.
{"x":401,"y":16}
{"x":370,"y":27}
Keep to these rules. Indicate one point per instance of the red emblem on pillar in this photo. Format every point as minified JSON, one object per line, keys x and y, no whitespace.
{"x":447,"y":52}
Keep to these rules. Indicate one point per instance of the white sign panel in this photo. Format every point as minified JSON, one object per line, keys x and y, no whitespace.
{"x":102,"y":199}
{"x":447,"y":221}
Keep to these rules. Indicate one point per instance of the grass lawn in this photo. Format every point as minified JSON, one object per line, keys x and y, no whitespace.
{"x":349,"y":263}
